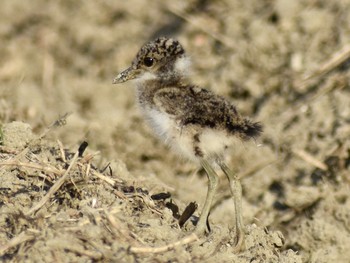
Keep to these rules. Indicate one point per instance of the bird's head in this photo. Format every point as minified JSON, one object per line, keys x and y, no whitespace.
{"x":162,"y":59}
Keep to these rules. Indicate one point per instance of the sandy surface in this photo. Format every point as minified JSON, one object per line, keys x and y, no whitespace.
{"x":280,"y":62}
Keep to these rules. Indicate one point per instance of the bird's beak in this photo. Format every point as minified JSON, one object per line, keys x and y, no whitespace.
{"x":128,"y":74}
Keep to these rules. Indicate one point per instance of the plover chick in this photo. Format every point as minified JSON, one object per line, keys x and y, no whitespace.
{"x":193,"y":121}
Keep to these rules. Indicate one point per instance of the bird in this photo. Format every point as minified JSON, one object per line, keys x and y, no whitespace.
{"x":193,"y":121}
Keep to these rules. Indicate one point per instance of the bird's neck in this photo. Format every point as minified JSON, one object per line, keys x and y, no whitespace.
{"x":147,"y":88}
{"x":173,"y":74}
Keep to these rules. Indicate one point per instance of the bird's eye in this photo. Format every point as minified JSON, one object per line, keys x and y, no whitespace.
{"x":148,"y":61}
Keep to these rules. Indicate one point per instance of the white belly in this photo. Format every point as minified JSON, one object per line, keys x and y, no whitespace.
{"x":161,"y":123}
{"x":171,"y":133}
{"x":180,"y":139}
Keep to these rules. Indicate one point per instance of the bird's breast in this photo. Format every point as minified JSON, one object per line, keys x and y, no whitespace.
{"x":169,"y":130}
{"x":163,"y":124}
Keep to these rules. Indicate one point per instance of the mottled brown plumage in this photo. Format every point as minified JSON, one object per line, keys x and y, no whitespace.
{"x":204,"y":109}
{"x":194,"y":121}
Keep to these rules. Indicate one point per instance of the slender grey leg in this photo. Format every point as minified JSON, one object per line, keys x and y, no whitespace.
{"x":212,"y":186}
{"x":236,"y":191}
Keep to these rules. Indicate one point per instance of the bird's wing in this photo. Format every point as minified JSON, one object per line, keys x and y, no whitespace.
{"x":173,"y":100}
{"x":194,"y":105}
{"x":199,"y":107}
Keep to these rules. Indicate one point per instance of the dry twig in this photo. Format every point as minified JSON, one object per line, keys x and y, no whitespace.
{"x":59,"y":122}
{"x":110,"y":181}
{"x":335,"y":61}
{"x":54,"y":188}
{"x":63,"y":155}
{"x":256,"y":168}
{"x":117,"y":226}
{"x":47,"y":168}
{"x":17,"y":240}
{"x":310,"y":159}
{"x":95,"y":255}
{"x":186,"y":240}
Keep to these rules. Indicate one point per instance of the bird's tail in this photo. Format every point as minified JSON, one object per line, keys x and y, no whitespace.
{"x":251,"y":129}
{"x":246,"y":129}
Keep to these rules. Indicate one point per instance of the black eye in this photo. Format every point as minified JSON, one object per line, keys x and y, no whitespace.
{"x":148,"y":61}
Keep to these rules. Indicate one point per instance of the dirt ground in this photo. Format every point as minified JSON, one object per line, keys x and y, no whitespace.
{"x":284,"y":63}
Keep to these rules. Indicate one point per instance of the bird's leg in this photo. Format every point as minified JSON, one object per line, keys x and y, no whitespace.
{"x":212,"y":186}
{"x":236,"y":191}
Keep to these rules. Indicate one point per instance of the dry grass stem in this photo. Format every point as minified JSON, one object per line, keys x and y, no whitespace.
{"x":94,"y":255}
{"x":108,"y":180}
{"x":54,"y":188}
{"x":310,"y":159}
{"x":254,"y":169}
{"x":118,"y":229}
{"x":186,"y":240}
{"x":17,"y":240}
{"x":63,"y":155}
{"x":46,"y":168}
{"x":335,"y":61}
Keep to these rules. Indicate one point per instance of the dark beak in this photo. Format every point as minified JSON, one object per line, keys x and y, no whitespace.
{"x":128,"y":74}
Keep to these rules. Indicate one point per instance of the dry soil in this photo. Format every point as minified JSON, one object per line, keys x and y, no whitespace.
{"x":284,"y":63}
